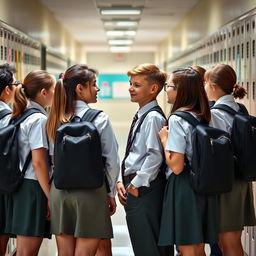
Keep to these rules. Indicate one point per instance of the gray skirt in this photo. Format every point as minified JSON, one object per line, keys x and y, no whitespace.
{"x":81,"y":213}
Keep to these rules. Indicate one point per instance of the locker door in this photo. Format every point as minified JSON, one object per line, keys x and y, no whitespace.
{"x":253,"y":66}
{"x":247,"y":240}
{"x":253,"y":244}
{"x":1,"y":45}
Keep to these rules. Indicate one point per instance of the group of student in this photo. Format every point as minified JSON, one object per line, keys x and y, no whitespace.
{"x":162,"y":210}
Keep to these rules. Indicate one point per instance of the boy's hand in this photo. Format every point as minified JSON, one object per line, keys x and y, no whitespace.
{"x":132,"y":190}
{"x":121,"y":192}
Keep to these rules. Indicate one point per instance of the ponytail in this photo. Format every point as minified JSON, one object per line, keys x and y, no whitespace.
{"x":57,"y":113}
{"x":20,"y":102}
{"x":239,"y":92}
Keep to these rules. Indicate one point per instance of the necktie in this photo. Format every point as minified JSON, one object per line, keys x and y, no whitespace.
{"x":129,"y":141}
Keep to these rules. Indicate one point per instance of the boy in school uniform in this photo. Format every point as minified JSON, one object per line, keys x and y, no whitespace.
{"x":142,"y":186}
{"x":7,"y":88}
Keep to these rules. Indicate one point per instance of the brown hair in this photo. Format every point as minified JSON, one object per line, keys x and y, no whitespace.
{"x":33,"y":83}
{"x":63,"y":106}
{"x":225,"y":77}
{"x":152,"y":72}
{"x":200,"y":70}
{"x":190,"y":93}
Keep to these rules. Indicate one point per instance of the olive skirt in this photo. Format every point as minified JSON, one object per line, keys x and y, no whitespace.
{"x":81,"y":213}
{"x":187,"y":218}
{"x":27,"y":210}
{"x":236,"y":207}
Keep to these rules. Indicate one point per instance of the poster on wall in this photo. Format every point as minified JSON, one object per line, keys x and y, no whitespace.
{"x":113,"y":86}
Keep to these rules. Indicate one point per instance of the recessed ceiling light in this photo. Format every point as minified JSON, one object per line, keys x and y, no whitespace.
{"x":120,"y":41}
{"x":120,"y":11}
{"x":121,"y":23}
{"x":121,"y":33}
{"x":120,"y":48}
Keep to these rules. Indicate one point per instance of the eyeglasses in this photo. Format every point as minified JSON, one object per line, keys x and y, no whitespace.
{"x":167,"y":86}
{"x":16,"y":83}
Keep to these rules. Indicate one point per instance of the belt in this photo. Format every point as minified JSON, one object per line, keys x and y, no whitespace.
{"x":127,"y":179}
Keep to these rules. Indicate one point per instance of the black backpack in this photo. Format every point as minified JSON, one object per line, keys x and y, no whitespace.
{"x":10,"y":173}
{"x":78,"y":162}
{"x":243,"y":137}
{"x":212,"y":165}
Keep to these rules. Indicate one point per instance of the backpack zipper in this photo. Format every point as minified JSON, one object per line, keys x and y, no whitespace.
{"x":213,"y":140}
{"x":87,"y":135}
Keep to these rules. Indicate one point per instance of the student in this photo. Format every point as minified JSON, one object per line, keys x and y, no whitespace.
{"x":143,"y":187}
{"x":81,"y":218}
{"x":27,"y":218}
{"x":221,"y":87}
{"x":188,"y":220}
{"x":8,"y":85}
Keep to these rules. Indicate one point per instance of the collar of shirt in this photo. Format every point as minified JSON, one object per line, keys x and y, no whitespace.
{"x":225,"y":99}
{"x":147,"y":107}
{"x":33,"y":104}
{"x":80,"y":106}
{"x":3,"y":105}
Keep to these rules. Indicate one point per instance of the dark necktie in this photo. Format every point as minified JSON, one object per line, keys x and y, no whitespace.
{"x":129,"y":141}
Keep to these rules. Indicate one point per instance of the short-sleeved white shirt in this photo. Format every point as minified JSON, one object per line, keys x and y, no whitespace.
{"x":4,"y":121}
{"x":179,"y":137}
{"x":32,"y":135}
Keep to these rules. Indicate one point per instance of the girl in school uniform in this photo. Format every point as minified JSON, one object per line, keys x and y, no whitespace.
{"x":236,"y":207}
{"x":188,"y":220}
{"x":81,"y":218}
{"x":27,"y":217}
{"x":8,"y":85}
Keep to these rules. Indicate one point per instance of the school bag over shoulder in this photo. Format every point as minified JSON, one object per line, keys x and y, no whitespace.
{"x":10,"y":173}
{"x":212,"y":165}
{"x":78,"y":162}
{"x":243,"y":137}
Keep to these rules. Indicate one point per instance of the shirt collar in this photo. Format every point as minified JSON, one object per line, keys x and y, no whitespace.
{"x":3,"y":105}
{"x":81,"y":105}
{"x":147,"y":107}
{"x":33,"y":104}
{"x":225,"y":99}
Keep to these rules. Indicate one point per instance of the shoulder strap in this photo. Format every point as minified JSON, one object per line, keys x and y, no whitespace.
{"x":4,"y":113}
{"x":225,"y":108}
{"x":25,"y":115}
{"x":155,"y":108}
{"x":243,"y":109}
{"x":187,"y":116}
{"x":90,"y":115}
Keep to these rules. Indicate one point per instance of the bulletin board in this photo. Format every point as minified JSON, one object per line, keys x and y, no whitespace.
{"x":113,"y":86}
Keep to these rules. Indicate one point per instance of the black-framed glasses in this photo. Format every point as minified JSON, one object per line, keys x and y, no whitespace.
{"x":16,"y":83}
{"x":167,"y":86}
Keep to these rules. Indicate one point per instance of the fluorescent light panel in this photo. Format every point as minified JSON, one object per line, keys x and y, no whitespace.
{"x":120,"y":48}
{"x":120,"y":23}
{"x":121,"y":33}
{"x":120,"y":42}
{"x":120,"y":11}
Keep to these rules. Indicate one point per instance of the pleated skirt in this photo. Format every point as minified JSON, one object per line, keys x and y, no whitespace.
{"x":27,"y":210}
{"x":187,"y":218}
{"x":81,"y":213}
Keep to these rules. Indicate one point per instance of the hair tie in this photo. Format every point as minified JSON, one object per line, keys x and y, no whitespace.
{"x":22,"y":84}
{"x":62,"y":77}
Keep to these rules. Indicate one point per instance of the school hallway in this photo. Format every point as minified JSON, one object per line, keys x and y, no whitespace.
{"x":121,"y":245}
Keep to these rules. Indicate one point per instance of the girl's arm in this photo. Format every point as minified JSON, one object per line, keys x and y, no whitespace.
{"x":174,"y":160}
{"x":39,"y":162}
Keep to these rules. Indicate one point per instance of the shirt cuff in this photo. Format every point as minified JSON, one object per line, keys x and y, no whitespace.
{"x":139,"y":182}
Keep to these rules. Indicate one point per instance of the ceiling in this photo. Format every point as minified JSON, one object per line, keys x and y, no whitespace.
{"x":83,"y":20}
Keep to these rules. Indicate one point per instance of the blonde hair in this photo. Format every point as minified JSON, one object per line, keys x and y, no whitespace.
{"x":152,"y":72}
{"x":33,"y":83}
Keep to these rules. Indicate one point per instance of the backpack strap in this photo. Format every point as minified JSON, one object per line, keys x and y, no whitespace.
{"x":188,"y":117}
{"x":17,"y":122}
{"x":90,"y":115}
{"x":243,"y":109}
{"x":4,"y":113}
{"x":225,"y":108}
{"x":25,"y":115}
